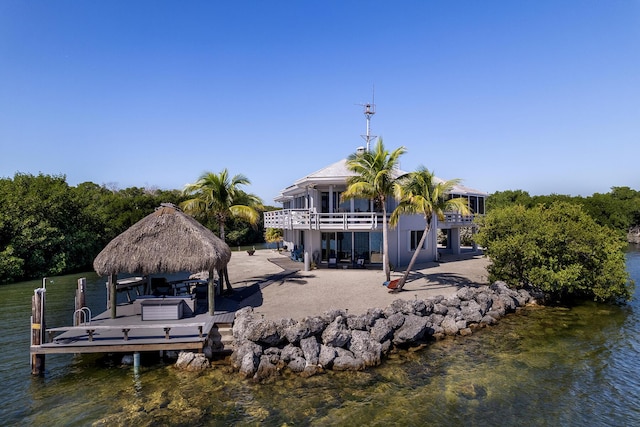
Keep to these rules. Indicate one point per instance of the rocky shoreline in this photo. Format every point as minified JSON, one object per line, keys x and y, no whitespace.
{"x":339,"y":341}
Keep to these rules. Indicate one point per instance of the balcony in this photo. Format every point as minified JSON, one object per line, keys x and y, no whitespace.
{"x":304,"y":219}
{"x":454,"y":219}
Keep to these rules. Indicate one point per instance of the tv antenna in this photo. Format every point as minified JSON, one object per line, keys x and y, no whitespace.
{"x":369,"y":110}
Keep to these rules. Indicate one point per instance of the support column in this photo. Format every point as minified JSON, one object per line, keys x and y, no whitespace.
{"x":455,"y":240}
{"x":307,"y":262}
{"x":136,"y":362}
{"x":113,"y":280}
{"x":211,"y":292}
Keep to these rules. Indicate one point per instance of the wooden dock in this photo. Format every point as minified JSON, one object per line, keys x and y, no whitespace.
{"x":190,"y":327}
{"x":129,"y":333}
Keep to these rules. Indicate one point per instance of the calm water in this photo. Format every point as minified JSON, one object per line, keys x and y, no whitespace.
{"x":544,"y":367}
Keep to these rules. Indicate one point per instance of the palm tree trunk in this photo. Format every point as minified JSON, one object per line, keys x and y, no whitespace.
{"x":385,"y":244}
{"x":403,"y":279}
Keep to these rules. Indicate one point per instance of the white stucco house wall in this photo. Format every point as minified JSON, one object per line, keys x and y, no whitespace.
{"x":348,"y":233}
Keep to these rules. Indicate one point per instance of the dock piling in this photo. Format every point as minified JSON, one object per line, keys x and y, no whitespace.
{"x":37,"y":329}
{"x":80,"y":301}
{"x":136,"y":362}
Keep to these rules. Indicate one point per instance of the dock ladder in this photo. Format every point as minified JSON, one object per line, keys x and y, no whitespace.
{"x":82,"y":316}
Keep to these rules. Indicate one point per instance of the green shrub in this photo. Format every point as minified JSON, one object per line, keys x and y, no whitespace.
{"x":558,"y":249}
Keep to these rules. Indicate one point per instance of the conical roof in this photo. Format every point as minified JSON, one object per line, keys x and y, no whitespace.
{"x":165,"y":241}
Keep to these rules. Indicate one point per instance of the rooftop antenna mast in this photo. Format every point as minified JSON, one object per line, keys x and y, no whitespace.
{"x":369,"y":110}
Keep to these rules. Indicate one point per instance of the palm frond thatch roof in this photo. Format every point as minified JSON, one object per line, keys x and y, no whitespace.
{"x":166,"y":241}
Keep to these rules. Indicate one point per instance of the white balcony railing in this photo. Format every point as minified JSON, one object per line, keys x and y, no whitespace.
{"x":454,"y":218}
{"x":304,"y":219}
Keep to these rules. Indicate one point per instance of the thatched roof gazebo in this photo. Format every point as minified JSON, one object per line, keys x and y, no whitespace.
{"x":166,"y":241}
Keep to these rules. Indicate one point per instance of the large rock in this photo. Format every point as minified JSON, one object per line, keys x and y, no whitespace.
{"x":266,"y":369}
{"x":509,"y":302}
{"x":189,"y":361}
{"x":244,"y":355}
{"x":311,"y":350}
{"x":266,"y":332}
{"x":347,"y":361}
{"x":381,"y":330}
{"x":366,"y":320}
{"x":440,"y":309}
{"x":331,"y":315}
{"x":465,"y":293}
{"x":273,"y":353}
{"x":498,"y":306}
{"x":336,"y":334}
{"x":412,"y":330}
{"x":449,"y":325}
{"x":307,"y":327}
{"x":395,"y":320}
{"x":364,"y":347}
{"x":452,"y":301}
{"x":471,"y":312}
{"x":405,"y":307}
{"x":326,"y":356}
{"x":297,"y":364}
{"x":249,"y":365}
{"x":484,"y":301}
{"x":243,"y":317}
{"x":290,"y":352}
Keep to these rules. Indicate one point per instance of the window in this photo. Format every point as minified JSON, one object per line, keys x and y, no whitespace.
{"x":416,"y":235}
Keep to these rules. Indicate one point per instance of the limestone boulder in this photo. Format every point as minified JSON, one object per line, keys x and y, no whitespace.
{"x":310,"y":349}
{"x":189,"y":361}
{"x":365,"y":347}
{"x":412,"y":330}
{"x":336,"y":334}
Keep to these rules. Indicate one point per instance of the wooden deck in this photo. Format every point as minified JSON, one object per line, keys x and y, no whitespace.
{"x":129,"y":333}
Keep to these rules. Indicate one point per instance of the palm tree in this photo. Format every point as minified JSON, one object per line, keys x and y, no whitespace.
{"x":420,"y":192}
{"x":376,"y":171}
{"x":218,"y":197}
{"x":273,"y":235}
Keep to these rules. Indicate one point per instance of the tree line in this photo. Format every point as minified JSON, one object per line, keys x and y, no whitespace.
{"x":48,"y":227}
{"x":619,"y":209}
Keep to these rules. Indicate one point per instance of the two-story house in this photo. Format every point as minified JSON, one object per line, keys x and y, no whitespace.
{"x":332,"y":231}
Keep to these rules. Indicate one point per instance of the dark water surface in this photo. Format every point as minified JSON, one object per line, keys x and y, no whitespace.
{"x":542,"y":367}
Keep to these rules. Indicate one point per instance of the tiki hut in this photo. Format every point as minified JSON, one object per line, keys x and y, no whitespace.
{"x":166,"y":241}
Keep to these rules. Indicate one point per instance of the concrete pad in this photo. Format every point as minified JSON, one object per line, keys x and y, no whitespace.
{"x":313,"y":292}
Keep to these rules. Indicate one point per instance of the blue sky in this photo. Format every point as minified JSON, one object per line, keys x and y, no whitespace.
{"x":542,"y":96}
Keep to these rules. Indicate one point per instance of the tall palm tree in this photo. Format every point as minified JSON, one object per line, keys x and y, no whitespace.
{"x":218,"y":197}
{"x":376,"y":171}
{"x":420,"y":192}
